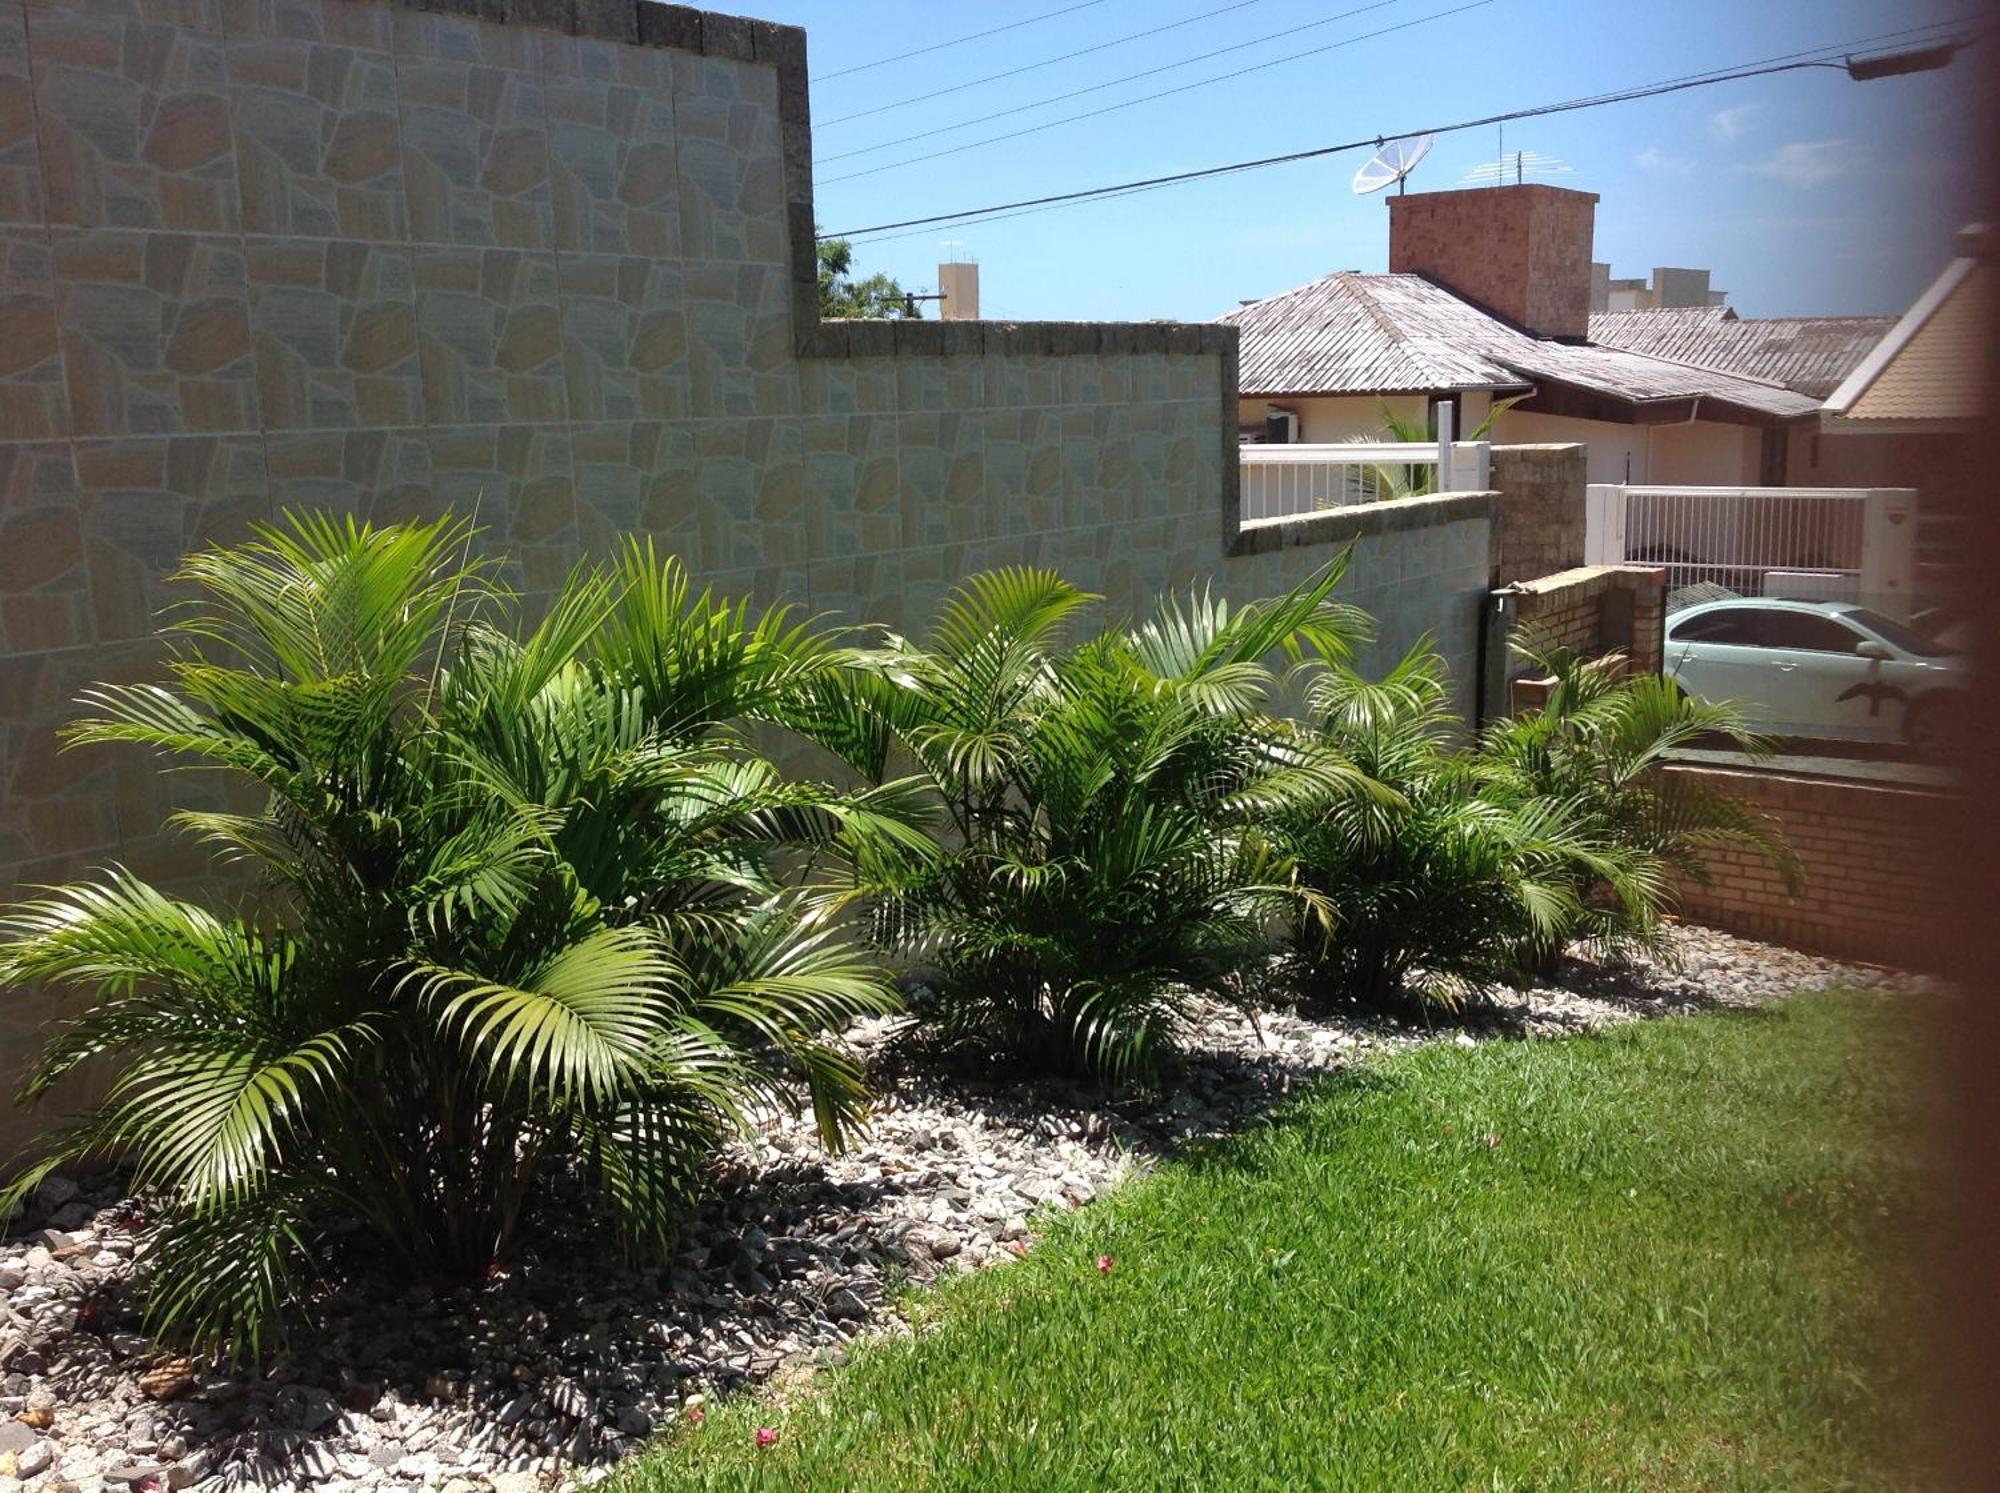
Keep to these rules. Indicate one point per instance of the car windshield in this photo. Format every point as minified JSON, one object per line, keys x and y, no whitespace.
{"x":1898,"y":634}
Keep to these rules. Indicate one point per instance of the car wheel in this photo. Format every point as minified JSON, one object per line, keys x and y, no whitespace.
{"x":1931,"y":727}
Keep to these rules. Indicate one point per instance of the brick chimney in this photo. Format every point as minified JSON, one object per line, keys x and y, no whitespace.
{"x":1522,"y":252}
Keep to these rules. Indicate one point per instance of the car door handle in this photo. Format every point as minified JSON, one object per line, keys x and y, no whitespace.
{"x":1785,"y":668}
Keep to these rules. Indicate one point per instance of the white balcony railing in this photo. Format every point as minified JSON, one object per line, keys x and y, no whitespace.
{"x":1281,"y":482}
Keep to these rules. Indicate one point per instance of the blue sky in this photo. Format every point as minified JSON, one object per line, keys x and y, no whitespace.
{"x":1804,"y":193}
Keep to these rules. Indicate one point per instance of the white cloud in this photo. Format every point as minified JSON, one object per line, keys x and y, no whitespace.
{"x":1658,"y":162}
{"x":1807,"y":163}
{"x":1727,"y":124}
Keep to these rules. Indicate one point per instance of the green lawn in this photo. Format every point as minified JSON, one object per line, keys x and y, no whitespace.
{"x":1654,"y":1259}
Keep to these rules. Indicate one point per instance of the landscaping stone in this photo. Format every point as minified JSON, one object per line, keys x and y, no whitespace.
{"x":537,"y":1379}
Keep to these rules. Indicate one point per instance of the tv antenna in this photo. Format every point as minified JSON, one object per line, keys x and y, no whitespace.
{"x":1391,"y":162}
{"x":1518,"y":167}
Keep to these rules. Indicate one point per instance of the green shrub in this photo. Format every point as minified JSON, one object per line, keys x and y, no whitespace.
{"x":1437,"y":887}
{"x":1107,"y":807}
{"x":1490,"y":858}
{"x":518,"y":914}
{"x":1598,"y":742}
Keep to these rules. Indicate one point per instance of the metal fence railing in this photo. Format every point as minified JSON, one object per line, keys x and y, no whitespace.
{"x":1810,"y":543}
{"x":1294,"y":481}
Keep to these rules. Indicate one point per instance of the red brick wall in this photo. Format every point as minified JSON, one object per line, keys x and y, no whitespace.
{"x":1521,"y":251}
{"x":1569,"y":609}
{"x":1871,"y":877}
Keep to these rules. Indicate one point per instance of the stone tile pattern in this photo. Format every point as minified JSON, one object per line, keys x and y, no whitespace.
{"x":258,"y":255}
{"x":1419,"y":566}
{"x":554,"y":268}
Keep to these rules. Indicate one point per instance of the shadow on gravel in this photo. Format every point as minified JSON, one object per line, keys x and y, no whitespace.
{"x":575,"y":1355}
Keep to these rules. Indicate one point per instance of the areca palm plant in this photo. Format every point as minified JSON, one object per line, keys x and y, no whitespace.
{"x":515,"y":914}
{"x":1599,"y":741}
{"x":1438,"y":889}
{"x":1106,"y":804}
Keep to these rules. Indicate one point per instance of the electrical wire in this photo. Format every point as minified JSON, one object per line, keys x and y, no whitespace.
{"x":1821,"y":56}
{"x":1090,"y":88}
{"x":1015,"y":72}
{"x":1147,"y":98}
{"x":957,"y":41}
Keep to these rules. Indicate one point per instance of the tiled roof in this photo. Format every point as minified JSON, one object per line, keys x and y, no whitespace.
{"x":1807,"y":354}
{"x":1364,"y":334}
{"x":1932,"y":367}
{"x":1351,"y":333}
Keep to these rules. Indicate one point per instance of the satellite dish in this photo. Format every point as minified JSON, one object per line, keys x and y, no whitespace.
{"x":1392,"y":163}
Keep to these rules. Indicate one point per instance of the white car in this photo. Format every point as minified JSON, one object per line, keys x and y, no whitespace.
{"x":1817,"y":668}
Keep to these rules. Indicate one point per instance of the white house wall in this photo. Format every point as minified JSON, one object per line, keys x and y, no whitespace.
{"x":1703,"y":453}
{"x":1329,"y":421}
{"x":1613,"y":453}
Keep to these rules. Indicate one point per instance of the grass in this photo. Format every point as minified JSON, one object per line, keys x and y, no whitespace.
{"x":1661,"y":1258}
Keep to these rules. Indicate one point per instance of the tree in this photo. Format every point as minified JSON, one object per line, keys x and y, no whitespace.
{"x":842,"y":296}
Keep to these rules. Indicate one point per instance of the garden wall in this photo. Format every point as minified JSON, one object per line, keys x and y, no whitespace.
{"x":549,"y":263}
{"x":553,"y":267}
{"x":1872,"y":878}
{"x":1590,"y":610}
{"x":1541,"y":514}
{"x":1419,"y":567}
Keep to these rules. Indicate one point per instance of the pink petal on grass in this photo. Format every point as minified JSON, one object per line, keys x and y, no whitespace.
{"x":1104,"y":1264}
{"x":766,"y":1436}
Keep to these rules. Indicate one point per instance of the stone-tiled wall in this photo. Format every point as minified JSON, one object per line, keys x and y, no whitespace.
{"x":550,"y":261}
{"x":546,"y":259}
{"x":267,"y":254}
{"x":1419,"y":566}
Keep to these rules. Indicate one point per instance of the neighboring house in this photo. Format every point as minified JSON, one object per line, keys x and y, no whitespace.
{"x":1910,"y":411}
{"x":1809,"y":355}
{"x":1489,"y":297}
{"x":1927,"y":376}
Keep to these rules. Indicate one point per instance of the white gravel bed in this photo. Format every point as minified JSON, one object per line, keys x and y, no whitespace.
{"x":541,"y":1379}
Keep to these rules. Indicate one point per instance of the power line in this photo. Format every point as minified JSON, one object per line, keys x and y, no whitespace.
{"x":999,"y":213}
{"x":1015,"y":72}
{"x":1147,"y":98}
{"x":1059,"y":98}
{"x":957,"y":41}
{"x":1821,"y":56}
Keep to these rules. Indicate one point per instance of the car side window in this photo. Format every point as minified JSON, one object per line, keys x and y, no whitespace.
{"x":1736,"y":625}
{"x":1768,"y":627}
{"x":1805,"y":631}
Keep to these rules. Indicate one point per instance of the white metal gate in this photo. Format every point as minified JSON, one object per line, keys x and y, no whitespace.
{"x":1815,"y":543}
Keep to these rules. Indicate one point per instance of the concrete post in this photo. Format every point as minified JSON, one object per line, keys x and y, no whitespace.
{"x":1604,"y":524}
{"x":1889,"y":549}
